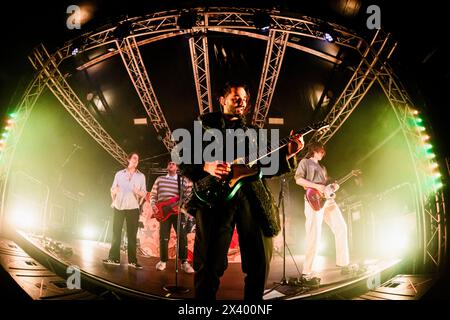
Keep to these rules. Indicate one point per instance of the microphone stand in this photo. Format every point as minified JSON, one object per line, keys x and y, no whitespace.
{"x":176,"y":288}
{"x":283,"y":280}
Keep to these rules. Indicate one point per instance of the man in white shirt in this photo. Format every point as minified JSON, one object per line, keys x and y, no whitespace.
{"x":127,"y":189}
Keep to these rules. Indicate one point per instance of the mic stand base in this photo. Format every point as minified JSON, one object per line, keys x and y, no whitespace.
{"x":176,"y":289}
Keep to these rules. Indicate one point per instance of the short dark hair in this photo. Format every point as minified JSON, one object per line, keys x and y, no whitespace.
{"x":314,"y":147}
{"x":226,"y":89}
{"x":131,"y":154}
{"x":169,"y":161}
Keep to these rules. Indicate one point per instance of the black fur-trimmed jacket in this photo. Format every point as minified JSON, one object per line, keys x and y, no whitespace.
{"x":261,"y":199}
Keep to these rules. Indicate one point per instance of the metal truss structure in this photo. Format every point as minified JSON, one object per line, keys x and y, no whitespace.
{"x":198,"y":46}
{"x":276,"y":47}
{"x":357,"y":87}
{"x":137,"y":71}
{"x":432,"y":223}
{"x":58,"y":85}
{"x":241,"y":22}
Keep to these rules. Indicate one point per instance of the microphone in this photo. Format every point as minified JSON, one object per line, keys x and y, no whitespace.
{"x":77,"y":146}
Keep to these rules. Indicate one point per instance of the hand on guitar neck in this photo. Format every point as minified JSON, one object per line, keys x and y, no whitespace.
{"x":317,"y":194}
{"x":217,"y":169}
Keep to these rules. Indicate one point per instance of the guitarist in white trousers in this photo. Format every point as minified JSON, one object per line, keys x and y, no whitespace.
{"x":311,"y":174}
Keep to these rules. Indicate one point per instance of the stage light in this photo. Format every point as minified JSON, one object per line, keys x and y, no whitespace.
{"x":88,"y":232}
{"x":328,"y":37}
{"x":425,"y":138}
{"x":394,"y":238}
{"x":5,"y":135}
{"x":122,"y":31}
{"x":23,"y":216}
{"x":13,"y":115}
{"x":75,"y":51}
{"x":437,"y":175}
{"x":434,"y":165}
{"x":186,"y":20}
{"x":428,"y":146}
{"x":262,"y":21}
{"x":328,"y":32}
{"x":431,"y":156}
{"x":438,"y":185}
{"x":419,"y":120}
{"x":414,"y":112}
{"x":421,"y":128}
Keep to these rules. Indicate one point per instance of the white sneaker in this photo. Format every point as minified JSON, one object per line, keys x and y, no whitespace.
{"x":186,"y":267}
{"x":160,"y":266}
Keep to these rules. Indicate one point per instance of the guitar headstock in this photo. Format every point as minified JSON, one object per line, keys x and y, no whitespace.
{"x":320,"y":126}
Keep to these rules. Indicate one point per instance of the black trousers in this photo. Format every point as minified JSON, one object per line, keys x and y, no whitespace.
{"x":164,"y":236}
{"x":214,"y":231}
{"x":132,"y":220}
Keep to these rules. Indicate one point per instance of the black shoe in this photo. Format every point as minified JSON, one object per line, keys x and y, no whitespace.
{"x":135,"y":265}
{"x":111,"y":261}
{"x":309,"y":281}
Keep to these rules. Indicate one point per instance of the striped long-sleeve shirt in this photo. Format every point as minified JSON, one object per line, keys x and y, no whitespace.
{"x":166,"y":187}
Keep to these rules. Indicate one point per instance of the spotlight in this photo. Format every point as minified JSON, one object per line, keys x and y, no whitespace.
{"x":437,"y":175}
{"x":77,"y":45}
{"x":88,"y":232}
{"x":24,"y":216}
{"x":186,"y":20}
{"x":262,"y":21}
{"x":328,"y":37}
{"x":328,"y":32}
{"x":122,"y":31}
{"x":439,"y":185}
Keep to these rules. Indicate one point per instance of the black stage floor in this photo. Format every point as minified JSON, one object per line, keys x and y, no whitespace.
{"x":149,"y":283}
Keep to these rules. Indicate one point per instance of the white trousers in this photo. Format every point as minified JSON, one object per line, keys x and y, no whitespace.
{"x":333,"y":217}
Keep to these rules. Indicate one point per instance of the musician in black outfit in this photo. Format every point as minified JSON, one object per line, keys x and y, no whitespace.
{"x":252,"y":210}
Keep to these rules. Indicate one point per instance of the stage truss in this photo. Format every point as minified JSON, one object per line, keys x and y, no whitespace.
{"x":127,"y":36}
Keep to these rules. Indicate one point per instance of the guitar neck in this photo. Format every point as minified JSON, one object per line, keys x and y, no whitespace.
{"x":253,"y":158}
{"x":345,"y":178}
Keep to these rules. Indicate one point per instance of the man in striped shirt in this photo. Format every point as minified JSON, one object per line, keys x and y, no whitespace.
{"x":165,"y":188}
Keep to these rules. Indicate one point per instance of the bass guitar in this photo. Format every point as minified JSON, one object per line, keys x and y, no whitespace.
{"x":210,"y":189}
{"x":316,"y":199}
{"x":166,"y":209}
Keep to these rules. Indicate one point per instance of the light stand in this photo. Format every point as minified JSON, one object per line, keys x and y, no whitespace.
{"x":176,"y":288}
